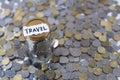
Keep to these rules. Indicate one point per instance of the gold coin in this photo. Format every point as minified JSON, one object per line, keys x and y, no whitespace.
{"x":97,"y":34}
{"x":39,"y":7}
{"x":114,"y":64}
{"x":29,"y":4}
{"x":107,"y":69}
{"x":36,"y":21}
{"x":52,"y":3}
{"x":40,"y":14}
{"x":101,"y":49}
{"x":90,"y":69}
{"x":105,"y":55}
{"x":103,"y":38}
{"x":77,"y":66}
{"x":17,"y":77}
{"x":86,"y":26}
{"x":54,"y":35}
{"x":2,"y":52}
{"x":112,"y":19}
{"x":68,"y":33}
{"x":4,"y":78}
{"x":97,"y":71}
{"x":83,"y":76}
{"x":92,"y":63}
{"x":10,"y":52}
{"x":5,"y":61}
{"x":62,"y":21}
{"x":77,"y":36}
{"x":61,"y":27}
{"x":55,"y":58}
{"x":84,"y":49}
{"x":61,"y":41}
{"x":55,"y":12}
{"x":57,"y":74}
{"x":85,"y":35}
{"x":116,"y":37}
{"x":2,"y":41}
{"x":7,"y":12}
{"x":97,"y":57}
{"x":112,"y":7}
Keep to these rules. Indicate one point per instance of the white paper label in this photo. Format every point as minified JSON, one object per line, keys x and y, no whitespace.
{"x":35,"y":29}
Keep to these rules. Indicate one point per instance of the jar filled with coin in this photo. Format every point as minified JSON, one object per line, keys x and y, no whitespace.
{"x":37,"y":33}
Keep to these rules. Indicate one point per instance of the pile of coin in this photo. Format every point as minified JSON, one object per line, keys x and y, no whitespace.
{"x":89,"y":39}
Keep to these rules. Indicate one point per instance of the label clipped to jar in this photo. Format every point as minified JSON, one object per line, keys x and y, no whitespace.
{"x":35,"y":29}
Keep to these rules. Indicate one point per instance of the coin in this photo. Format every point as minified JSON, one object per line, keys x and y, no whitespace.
{"x":17,"y":77}
{"x":38,"y":73}
{"x":97,"y":57}
{"x":77,"y":36}
{"x":107,"y":69}
{"x":5,"y":61}
{"x":62,"y":21}
{"x":63,"y":60}
{"x":29,"y":4}
{"x":97,"y":34}
{"x":101,"y":49}
{"x":2,"y":52}
{"x":97,"y":71}
{"x":83,"y":76}
{"x":50,"y":74}
{"x":68,"y":33}
{"x":57,"y":74}
{"x":86,"y":35}
{"x":116,"y":37}
{"x":7,"y":12}
{"x":75,"y":52}
{"x":40,"y":14}
{"x":92,"y":63}
{"x":55,"y":58}
{"x":61,"y":41}
{"x":55,"y":12}
{"x":113,"y":63}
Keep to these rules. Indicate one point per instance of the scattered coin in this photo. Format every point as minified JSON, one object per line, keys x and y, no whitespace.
{"x":17,"y":77}
{"x":77,"y":36}
{"x":101,"y":49}
{"x":57,"y":74}
{"x":50,"y":74}
{"x":68,"y":33}
{"x":61,"y":41}
{"x":2,"y":52}
{"x":38,"y":73}
{"x":113,"y":63}
{"x":75,"y":52}
{"x":107,"y":69}
{"x":97,"y":71}
{"x":97,"y":57}
{"x":83,"y":76}
{"x":5,"y":61}
{"x":63,"y":60}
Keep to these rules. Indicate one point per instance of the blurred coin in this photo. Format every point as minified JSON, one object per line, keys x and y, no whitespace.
{"x":18,"y":77}
{"x":97,"y":71}
{"x":5,"y":61}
